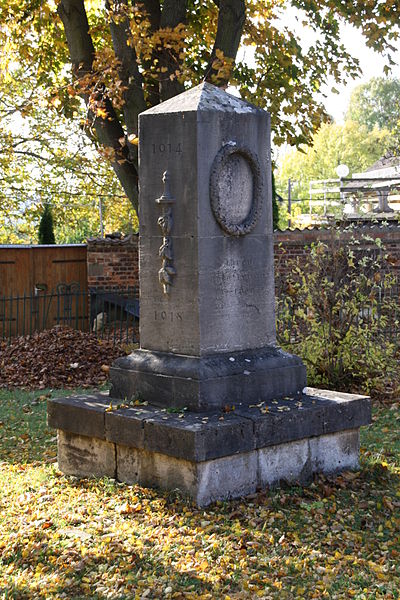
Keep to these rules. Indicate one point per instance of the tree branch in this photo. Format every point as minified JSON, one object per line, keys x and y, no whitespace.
{"x":21,"y":141}
{"x":131,"y":78}
{"x":173,"y":13}
{"x":28,"y":153}
{"x":76,"y":26}
{"x":108,"y":128}
{"x":153,"y":12}
{"x":231,"y":18}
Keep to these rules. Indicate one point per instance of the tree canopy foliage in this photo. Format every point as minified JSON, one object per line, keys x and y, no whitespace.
{"x":376,"y":104}
{"x":45,"y":158}
{"x":103,"y":63}
{"x":351,"y":143}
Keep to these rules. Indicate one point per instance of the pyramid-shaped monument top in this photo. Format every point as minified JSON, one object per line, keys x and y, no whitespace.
{"x":203,"y":97}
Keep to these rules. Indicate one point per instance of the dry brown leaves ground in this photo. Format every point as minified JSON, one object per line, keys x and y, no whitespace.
{"x":57,"y":358}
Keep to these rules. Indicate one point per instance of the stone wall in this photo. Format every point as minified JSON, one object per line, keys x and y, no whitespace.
{"x":112,"y":262}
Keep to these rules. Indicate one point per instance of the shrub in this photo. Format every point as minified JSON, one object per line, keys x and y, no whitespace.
{"x":339,"y":312}
{"x":46,"y":228}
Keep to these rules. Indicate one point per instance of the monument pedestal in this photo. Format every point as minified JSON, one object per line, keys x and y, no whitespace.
{"x":210,"y":456}
{"x":225,"y":409}
{"x":207,"y":382}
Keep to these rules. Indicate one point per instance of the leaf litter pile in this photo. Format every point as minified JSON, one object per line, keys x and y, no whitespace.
{"x":61,"y":537}
{"x":60,"y":357}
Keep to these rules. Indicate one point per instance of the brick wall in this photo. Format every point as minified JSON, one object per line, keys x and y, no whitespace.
{"x":293,"y":244}
{"x":112,"y":262}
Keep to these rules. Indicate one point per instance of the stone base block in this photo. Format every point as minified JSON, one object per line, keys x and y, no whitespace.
{"x":207,"y":382}
{"x":298,"y":461}
{"x":210,"y":456}
{"x":219,"y":479}
{"x":204,"y":482}
{"x":85,"y":456}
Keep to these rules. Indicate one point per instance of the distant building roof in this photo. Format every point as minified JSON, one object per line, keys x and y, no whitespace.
{"x":386,"y":162}
{"x":383,"y":175}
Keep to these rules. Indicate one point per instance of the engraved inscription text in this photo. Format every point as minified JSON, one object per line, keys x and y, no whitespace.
{"x":165,"y":315}
{"x":168,"y":148}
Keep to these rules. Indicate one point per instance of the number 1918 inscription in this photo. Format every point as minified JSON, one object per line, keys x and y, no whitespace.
{"x":167,"y":316}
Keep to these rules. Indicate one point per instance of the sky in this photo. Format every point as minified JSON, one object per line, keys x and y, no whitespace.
{"x":371,"y":64}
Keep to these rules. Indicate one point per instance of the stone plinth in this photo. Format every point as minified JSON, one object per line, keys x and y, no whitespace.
{"x":207,"y":382}
{"x":210,"y":456}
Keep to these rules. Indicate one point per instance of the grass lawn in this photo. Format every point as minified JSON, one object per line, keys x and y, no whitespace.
{"x":66,"y":538}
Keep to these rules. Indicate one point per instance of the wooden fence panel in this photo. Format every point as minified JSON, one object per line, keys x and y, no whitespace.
{"x":22,"y":268}
{"x":60,"y":264}
{"x":58,"y":271}
{"x":15,"y":270}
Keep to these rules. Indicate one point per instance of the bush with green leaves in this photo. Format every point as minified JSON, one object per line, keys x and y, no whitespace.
{"x":339,"y":311}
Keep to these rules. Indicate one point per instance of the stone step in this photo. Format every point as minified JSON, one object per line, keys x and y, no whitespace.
{"x":210,"y":456}
{"x":209,"y":435}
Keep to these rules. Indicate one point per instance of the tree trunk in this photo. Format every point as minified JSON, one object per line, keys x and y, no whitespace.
{"x":173,"y":13}
{"x":101,"y":114}
{"x":108,"y":129}
{"x":231,"y":18}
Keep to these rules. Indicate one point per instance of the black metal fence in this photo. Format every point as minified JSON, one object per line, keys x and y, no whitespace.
{"x":111,"y":315}
{"x":114,"y":314}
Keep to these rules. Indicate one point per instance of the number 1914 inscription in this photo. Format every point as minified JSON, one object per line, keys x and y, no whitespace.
{"x":168,"y":148}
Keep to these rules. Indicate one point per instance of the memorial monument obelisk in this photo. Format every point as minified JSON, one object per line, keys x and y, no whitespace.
{"x":207,"y":336}
{"x":207,"y":327}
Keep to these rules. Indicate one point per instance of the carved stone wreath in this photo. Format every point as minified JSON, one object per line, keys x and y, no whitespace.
{"x":218,"y":166}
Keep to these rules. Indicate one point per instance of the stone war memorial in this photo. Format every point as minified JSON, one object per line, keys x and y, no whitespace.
{"x":209,"y":404}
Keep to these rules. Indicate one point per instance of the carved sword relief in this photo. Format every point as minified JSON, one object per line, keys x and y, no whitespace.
{"x":167,"y":271}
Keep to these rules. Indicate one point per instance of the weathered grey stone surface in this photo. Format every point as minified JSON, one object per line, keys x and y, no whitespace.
{"x":83,"y":414}
{"x":209,"y":222}
{"x":210,"y":435}
{"x":311,"y":414}
{"x":210,"y":480}
{"x":128,"y":466}
{"x":219,"y":278}
{"x":343,"y":411}
{"x":85,"y":456}
{"x":335,"y":452}
{"x":297,"y":461}
{"x":228,"y":477}
{"x":207,"y":382}
{"x":156,"y":470}
{"x":203,"y":482}
{"x":189,"y":436}
{"x":126,"y":425}
{"x":289,"y":462}
{"x":199,"y":438}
